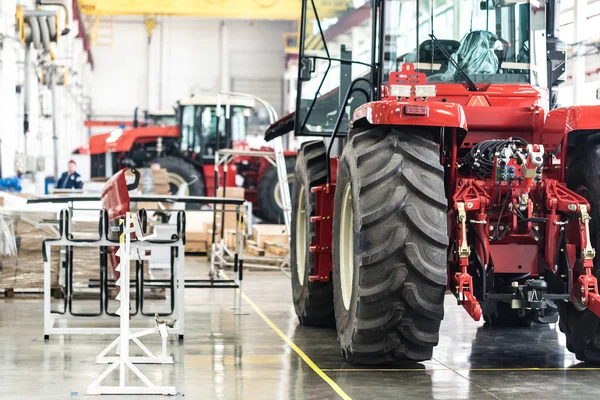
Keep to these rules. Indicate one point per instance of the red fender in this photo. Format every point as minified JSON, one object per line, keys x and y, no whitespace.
{"x":562,"y":121}
{"x":124,"y":141}
{"x":393,"y":112}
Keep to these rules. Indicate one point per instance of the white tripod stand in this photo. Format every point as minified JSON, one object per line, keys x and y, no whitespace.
{"x":123,"y":361}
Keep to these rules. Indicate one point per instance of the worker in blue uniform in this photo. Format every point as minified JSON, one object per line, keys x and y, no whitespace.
{"x":70,"y":179}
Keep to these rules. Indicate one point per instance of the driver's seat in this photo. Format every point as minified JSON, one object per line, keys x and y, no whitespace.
{"x":475,"y":56}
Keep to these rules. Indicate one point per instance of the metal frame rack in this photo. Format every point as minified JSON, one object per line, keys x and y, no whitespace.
{"x":54,"y":324}
{"x":123,"y":362}
{"x":224,"y":157}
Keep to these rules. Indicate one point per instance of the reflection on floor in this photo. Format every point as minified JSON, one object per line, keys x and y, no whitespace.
{"x":240,"y":357}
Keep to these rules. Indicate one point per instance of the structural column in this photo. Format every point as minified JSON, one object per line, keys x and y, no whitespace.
{"x":224,"y":70}
{"x":8,"y":80}
{"x":578,"y":65}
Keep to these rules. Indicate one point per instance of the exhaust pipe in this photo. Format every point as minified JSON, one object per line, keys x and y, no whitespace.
{"x":44,"y":31}
{"x":32,"y":32}
{"x":66,"y":5}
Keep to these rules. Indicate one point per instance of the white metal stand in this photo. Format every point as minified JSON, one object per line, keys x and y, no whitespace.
{"x":277,"y":159}
{"x":124,"y":362}
{"x":56,"y":324}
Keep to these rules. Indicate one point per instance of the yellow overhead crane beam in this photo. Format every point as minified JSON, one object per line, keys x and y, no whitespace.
{"x":235,"y":9}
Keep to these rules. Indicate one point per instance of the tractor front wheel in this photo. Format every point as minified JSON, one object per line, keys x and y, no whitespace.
{"x":581,"y":326}
{"x":313,"y":301}
{"x":389,"y":246}
{"x":269,"y":193}
{"x":184,"y":178}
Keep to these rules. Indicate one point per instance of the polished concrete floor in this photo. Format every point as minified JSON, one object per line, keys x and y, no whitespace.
{"x":256,"y":356}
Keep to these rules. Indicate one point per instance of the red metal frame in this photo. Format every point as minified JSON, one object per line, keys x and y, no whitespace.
{"x":92,"y":123}
{"x":323,"y":220}
{"x":123,"y":143}
{"x":115,"y":200}
{"x":500,"y":111}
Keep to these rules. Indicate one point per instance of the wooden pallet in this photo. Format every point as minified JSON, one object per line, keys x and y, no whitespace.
{"x":9,"y":293}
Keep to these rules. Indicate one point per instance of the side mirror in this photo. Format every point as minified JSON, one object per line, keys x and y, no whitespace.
{"x":306,"y":69}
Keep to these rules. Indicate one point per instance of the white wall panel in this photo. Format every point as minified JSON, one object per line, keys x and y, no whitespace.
{"x":184,"y":56}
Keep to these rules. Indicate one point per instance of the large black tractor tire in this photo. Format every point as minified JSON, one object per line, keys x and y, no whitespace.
{"x":313,"y":301}
{"x":182,"y":171}
{"x":582,"y":327}
{"x":392,"y":182}
{"x":268,"y":193}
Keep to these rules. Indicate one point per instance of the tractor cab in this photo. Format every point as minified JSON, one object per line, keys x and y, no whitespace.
{"x":493,"y":47}
{"x":489,"y":53}
{"x":199,"y":120}
{"x":444,"y":167}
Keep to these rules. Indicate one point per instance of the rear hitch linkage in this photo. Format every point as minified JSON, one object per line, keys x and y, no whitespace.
{"x":588,"y":284}
{"x":462,"y":279}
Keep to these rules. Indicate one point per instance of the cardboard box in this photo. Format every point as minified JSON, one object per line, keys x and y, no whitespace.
{"x":198,"y":221}
{"x":146,"y":205}
{"x":160,"y":177}
{"x":24,"y":195}
{"x":271,"y":233}
{"x":196,"y":247}
{"x":209,"y":241}
{"x":276,"y":249}
{"x":196,"y":236}
{"x":230,"y":220}
{"x":27,"y":269}
{"x":230,"y":238}
{"x":231,"y":192}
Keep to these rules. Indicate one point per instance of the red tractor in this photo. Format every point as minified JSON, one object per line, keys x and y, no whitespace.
{"x":457,"y":172}
{"x":187,"y":151}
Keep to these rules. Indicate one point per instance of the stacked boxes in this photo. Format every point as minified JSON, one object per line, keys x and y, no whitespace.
{"x":25,"y":269}
{"x":199,"y":224}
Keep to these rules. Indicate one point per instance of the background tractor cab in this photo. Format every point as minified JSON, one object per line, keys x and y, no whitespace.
{"x":187,"y":151}
{"x":197,"y":119}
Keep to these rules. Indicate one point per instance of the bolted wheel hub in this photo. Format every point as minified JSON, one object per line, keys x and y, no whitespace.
{"x":175,"y":183}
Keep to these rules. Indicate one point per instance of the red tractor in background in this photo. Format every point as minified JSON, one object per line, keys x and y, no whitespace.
{"x":458,"y":172}
{"x":151,"y":118}
{"x":187,"y":152}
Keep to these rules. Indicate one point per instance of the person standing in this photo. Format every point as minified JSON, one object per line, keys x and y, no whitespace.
{"x":70,"y":179}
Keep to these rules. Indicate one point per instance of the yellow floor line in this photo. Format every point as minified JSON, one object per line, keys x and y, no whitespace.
{"x":453,"y":369}
{"x":297,"y":349}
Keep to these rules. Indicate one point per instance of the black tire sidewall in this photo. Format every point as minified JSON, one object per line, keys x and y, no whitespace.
{"x":187,"y":171}
{"x":345,"y":319}
{"x":582,"y":327}
{"x":269,"y":209}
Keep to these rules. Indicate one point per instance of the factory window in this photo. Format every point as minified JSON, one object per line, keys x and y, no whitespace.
{"x":188,"y":128}
{"x":325,"y":43}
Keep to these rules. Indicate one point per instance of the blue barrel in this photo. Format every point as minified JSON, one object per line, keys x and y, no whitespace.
{"x":49,"y":184}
